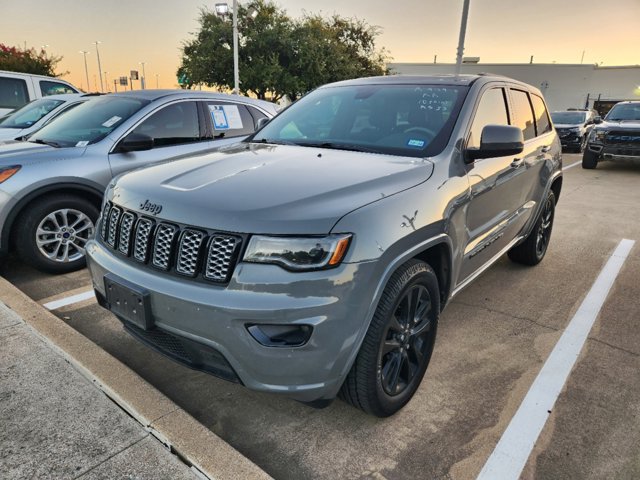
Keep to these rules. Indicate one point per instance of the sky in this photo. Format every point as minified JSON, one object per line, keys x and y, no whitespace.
{"x":498,"y":31}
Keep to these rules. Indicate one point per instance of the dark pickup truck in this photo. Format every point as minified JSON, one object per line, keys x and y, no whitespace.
{"x":617,"y":137}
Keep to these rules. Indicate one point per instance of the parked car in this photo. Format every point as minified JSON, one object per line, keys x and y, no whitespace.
{"x":617,"y":138}
{"x":36,"y":114}
{"x":51,"y":185}
{"x":316,"y":256}
{"x":18,"y":89}
{"x":573,"y":127}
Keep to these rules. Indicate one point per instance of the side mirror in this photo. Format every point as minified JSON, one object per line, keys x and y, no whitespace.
{"x":135,"y":142}
{"x":262,"y":122}
{"x":597,"y":120}
{"x":497,"y":141}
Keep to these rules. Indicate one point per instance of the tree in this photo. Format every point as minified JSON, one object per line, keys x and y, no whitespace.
{"x":279,"y":56}
{"x":28,"y":61}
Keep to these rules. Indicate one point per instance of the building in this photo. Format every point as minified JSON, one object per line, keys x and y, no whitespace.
{"x":563,"y":85}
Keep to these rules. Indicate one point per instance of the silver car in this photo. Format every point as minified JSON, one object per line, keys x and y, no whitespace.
{"x":37,"y":114}
{"x":315,"y":257}
{"x":51,"y":186}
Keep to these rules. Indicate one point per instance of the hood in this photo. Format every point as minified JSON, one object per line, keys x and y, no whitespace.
{"x":11,"y":133}
{"x":621,"y":125}
{"x":281,"y":189}
{"x":12,"y":151}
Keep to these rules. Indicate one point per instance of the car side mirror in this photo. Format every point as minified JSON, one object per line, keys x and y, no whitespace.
{"x":497,"y":141}
{"x":135,"y":142}
{"x":262,"y":122}
{"x":597,"y":120}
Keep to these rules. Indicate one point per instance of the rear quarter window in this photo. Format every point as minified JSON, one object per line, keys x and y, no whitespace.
{"x":13,"y":92}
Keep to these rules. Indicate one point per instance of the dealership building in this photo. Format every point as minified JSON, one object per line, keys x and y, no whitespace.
{"x":563,"y":85}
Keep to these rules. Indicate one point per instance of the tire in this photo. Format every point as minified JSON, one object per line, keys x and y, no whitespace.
{"x":533,"y":249}
{"x":398,"y":345}
{"x":589,"y":160}
{"x":52,"y":232}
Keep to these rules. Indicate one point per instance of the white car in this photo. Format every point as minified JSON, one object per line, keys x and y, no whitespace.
{"x":18,"y":89}
{"x":36,"y":114}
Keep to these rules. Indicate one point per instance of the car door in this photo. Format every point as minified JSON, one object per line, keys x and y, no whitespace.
{"x":494,"y":213}
{"x":177,"y":130}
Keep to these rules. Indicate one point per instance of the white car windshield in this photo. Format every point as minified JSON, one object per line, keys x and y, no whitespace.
{"x":30,"y":114}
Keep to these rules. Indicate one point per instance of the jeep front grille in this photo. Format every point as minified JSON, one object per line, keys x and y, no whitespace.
{"x":170,"y":247}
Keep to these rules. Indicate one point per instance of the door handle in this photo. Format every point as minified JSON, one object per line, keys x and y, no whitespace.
{"x":545,"y":149}
{"x":516,"y":162}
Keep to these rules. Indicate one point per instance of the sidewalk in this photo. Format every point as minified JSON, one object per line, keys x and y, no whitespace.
{"x":68,"y":408}
{"x":56,"y":424}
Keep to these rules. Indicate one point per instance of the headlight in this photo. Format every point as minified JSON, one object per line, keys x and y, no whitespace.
{"x":298,"y":253}
{"x":7,"y":172}
{"x":597,"y":135}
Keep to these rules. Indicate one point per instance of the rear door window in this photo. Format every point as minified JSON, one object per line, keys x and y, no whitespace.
{"x":230,"y":120}
{"x":54,"y":88}
{"x":13,"y":92}
{"x":522,"y":113}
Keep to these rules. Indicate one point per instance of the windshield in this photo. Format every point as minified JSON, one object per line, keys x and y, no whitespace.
{"x":89,"y":123}
{"x":29,"y":114}
{"x":626,"y":111}
{"x":409,"y":120}
{"x":569,"y":118}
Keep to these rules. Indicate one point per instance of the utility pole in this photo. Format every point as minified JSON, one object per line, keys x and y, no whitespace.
{"x":99,"y":66}
{"x":236,"y":73}
{"x":143,"y":81}
{"x":463,"y":32}
{"x":582,"y":58}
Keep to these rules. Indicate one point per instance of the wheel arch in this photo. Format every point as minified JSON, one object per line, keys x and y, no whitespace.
{"x":86,"y":192}
{"x":556,"y":187}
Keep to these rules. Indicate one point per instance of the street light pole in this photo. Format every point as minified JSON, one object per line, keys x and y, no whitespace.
{"x":236,"y":73}
{"x":143,"y":82}
{"x":157,"y":76}
{"x":99,"y":66}
{"x":86,"y":70}
{"x":463,"y":32}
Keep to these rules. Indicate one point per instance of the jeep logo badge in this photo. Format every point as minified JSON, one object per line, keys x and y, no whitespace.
{"x":152,"y":208}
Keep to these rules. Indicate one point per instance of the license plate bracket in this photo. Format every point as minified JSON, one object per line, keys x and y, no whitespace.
{"x":128,"y":301}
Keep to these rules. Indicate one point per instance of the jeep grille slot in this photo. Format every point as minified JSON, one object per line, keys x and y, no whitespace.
{"x":126,"y":227}
{"x":163,"y":245}
{"x":184,"y":250}
{"x":114,"y":216}
{"x":219,"y":257}
{"x":189,"y":251}
{"x":143,"y":234}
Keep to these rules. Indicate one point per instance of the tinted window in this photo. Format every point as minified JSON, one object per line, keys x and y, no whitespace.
{"x":230,"y":120}
{"x":29,"y":114}
{"x":90,"y":122}
{"x":409,"y":120}
{"x":523,"y":116}
{"x":492,"y":110}
{"x":13,"y":92}
{"x":172,"y":125}
{"x":54,"y":88}
{"x":543,"y":125}
{"x":568,"y":118}
{"x":624,"y":111}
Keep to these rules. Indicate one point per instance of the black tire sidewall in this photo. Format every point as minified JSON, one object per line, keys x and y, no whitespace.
{"x":28,"y":223}
{"x":386,"y":403}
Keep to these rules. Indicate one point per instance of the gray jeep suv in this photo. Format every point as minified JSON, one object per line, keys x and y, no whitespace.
{"x":314,"y":258}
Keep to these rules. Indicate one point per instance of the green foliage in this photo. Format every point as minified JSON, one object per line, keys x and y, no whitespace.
{"x":278,"y":55}
{"x":28,"y":61}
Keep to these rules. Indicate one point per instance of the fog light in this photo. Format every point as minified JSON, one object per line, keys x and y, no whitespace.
{"x":280,"y":335}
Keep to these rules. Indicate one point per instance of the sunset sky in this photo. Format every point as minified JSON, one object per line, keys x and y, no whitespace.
{"x":412,"y":31}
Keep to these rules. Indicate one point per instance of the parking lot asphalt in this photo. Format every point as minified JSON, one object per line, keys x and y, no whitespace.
{"x":493,"y":339}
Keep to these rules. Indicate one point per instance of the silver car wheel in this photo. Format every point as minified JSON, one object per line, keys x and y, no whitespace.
{"x":62,"y":235}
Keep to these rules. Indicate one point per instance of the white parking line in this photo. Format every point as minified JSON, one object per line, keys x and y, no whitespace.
{"x":512,"y":451}
{"x":63,"y":302}
{"x":572,"y":165}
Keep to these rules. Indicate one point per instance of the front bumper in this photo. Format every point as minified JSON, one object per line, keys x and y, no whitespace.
{"x":334,"y":302}
{"x":615,"y":152}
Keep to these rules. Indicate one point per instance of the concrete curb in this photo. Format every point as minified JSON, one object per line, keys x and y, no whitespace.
{"x":200,"y":448}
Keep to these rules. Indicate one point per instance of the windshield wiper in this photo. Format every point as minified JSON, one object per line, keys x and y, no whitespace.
{"x":275,"y":142}
{"x":46,"y":142}
{"x":341,"y":146}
